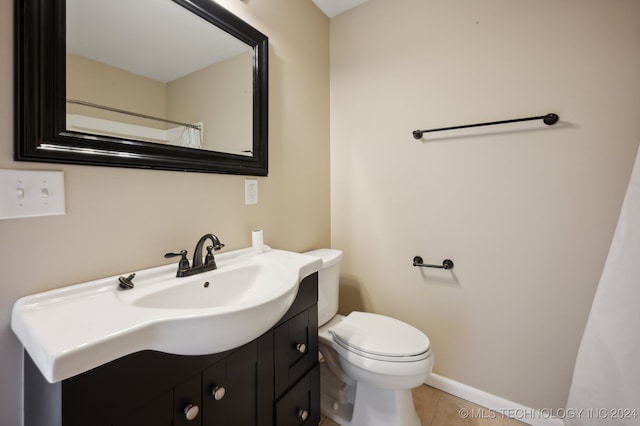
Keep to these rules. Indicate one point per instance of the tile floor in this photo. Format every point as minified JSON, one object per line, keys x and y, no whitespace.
{"x":437,"y":408}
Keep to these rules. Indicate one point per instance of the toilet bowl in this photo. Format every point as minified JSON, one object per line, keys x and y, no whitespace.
{"x":369,"y":362}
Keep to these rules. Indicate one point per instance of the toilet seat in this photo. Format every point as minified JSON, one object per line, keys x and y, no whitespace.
{"x":381,"y":338}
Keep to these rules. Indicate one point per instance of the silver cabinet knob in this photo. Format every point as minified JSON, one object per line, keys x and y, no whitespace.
{"x":191,"y":411}
{"x":303,"y":414}
{"x":301,"y":347}
{"x":218,"y":392}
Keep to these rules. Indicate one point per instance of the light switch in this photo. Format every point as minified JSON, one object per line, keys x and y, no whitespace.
{"x":29,"y":193}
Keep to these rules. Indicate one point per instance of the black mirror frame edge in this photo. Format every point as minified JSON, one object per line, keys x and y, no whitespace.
{"x":40,"y":92}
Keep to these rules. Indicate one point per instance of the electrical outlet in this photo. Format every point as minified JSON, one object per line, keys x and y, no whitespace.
{"x":250,"y":191}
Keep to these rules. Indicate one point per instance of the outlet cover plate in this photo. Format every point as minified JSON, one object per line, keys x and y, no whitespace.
{"x":251,"y":191}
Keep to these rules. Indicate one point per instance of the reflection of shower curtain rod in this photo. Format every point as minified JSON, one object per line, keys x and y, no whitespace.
{"x":135,"y":114}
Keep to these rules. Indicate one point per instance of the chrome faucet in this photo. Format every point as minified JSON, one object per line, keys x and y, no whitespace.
{"x":197,"y":266}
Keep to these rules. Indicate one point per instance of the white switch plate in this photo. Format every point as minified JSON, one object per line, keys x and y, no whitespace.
{"x":250,"y":191}
{"x":29,"y":193}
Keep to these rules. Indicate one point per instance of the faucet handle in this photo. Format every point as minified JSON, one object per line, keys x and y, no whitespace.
{"x":208,"y":259}
{"x":184,"y":262}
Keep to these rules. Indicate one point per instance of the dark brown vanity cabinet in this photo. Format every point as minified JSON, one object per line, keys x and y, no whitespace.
{"x":273,"y":380}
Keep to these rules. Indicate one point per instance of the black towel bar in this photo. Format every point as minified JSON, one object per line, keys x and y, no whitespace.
{"x":549,"y":120}
{"x":446,"y":264}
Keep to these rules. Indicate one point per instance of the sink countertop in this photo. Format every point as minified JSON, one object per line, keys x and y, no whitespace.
{"x":73,"y":329}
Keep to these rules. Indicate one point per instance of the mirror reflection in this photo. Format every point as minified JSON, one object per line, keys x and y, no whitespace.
{"x":153,"y":71}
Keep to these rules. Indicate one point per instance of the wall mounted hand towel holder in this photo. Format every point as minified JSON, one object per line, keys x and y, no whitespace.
{"x":446,"y":264}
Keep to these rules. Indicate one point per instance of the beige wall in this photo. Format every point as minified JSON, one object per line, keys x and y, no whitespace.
{"x":102,"y":84}
{"x":125,"y":219}
{"x":220,"y":95}
{"x":527,"y":216}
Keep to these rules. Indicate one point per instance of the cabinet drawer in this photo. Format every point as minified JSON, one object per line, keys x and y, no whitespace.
{"x":301,"y":405}
{"x":296,"y":348}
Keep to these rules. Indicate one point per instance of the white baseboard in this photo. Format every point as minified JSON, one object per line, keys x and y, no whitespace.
{"x":493,"y":403}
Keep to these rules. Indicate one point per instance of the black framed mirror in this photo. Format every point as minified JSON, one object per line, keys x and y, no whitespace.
{"x":62,"y":117}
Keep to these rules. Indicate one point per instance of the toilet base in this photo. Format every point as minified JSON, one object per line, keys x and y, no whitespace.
{"x":365,"y":405}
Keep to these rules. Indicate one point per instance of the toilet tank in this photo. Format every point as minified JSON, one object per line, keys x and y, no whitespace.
{"x":328,"y":283}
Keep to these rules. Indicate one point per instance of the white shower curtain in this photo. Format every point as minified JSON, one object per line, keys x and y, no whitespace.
{"x":190,"y":138}
{"x":606,"y":380}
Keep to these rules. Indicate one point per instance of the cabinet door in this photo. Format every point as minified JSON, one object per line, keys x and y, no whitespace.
{"x":296,"y":348}
{"x":187,"y":403}
{"x":230,"y":389}
{"x":158,"y":412}
{"x":301,"y":405}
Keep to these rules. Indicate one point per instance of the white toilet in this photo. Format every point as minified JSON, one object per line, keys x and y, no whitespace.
{"x":371,"y":362}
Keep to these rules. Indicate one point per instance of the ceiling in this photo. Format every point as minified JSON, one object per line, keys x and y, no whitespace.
{"x":333,"y":8}
{"x":159,"y":40}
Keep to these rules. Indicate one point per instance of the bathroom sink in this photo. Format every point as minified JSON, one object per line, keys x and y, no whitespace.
{"x":73,"y":329}
{"x":235,"y":287}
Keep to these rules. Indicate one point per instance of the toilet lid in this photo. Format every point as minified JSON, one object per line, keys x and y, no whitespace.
{"x":378,"y":335}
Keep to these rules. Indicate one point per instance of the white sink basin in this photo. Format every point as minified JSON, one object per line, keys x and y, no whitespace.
{"x":237,"y":286}
{"x":73,"y":329}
